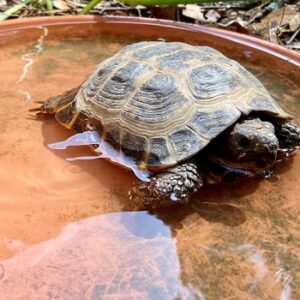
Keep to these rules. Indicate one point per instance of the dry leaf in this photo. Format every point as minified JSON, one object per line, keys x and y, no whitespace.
{"x":60,"y":4}
{"x":295,"y":22}
{"x":193,"y":11}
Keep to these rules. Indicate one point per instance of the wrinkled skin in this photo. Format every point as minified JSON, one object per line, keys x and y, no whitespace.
{"x":251,"y":144}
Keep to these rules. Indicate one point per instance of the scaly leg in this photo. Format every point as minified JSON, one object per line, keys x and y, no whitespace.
{"x":175,"y":185}
{"x":288,"y":135}
{"x":53,"y":104}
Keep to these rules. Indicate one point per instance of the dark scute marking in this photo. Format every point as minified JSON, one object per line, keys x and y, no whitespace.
{"x":186,"y":143}
{"x":104,"y":69}
{"x":159,"y":86}
{"x":120,"y":84}
{"x":177,"y":59}
{"x":107,"y":66}
{"x":134,"y":146}
{"x":157,"y":101}
{"x":80,"y":123}
{"x":157,"y":49}
{"x":127,"y":72}
{"x":212,"y":124}
{"x":66,"y":114}
{"x":159,"y":153}
{"x":212,"y":80}
{"x":112,"y":135}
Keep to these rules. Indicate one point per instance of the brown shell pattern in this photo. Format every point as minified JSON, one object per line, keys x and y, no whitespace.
{"x":162,"y":103}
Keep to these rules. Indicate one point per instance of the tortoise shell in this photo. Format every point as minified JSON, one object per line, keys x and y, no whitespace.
{"x":161,"y":103}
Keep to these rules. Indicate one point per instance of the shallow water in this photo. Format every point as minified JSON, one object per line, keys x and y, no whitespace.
{"x":65,"y":228}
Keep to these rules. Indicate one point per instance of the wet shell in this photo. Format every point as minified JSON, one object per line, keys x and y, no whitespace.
{"x":162,"y":103}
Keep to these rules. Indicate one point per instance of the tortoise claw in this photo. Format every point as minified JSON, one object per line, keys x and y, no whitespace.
{"x":38,"y":109}
{"x":37,"y":112}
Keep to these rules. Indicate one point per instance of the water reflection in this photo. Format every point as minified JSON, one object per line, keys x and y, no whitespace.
{"x":120,"y":255}
{"x":29,"y":59}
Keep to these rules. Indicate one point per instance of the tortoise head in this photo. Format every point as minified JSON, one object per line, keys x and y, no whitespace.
{"x":251,"y":145}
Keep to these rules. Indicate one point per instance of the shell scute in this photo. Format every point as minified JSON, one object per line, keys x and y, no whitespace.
{"x":186,"y":141}
{"x":179,"y":59}
{"x":210,"y":124}
{"x":115,"y":92}
{"x":134,"y":145}
{"x":212,"y":80}
{"x":159,"y":153}
{"x":155,"y":102}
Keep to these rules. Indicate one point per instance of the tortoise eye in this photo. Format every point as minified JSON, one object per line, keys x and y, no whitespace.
{"x":244,"y":142}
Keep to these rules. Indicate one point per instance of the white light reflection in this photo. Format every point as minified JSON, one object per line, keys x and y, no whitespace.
{"x":28,"y":58}
{"x":104,"y":150}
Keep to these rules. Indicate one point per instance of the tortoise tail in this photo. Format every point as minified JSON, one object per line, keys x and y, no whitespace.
{"x":56,"y":103}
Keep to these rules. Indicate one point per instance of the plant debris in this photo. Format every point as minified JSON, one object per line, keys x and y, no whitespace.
{"x":281,"y":26}
{"x":275,"y":20}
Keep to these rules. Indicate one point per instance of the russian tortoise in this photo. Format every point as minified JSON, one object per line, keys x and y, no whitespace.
{"x":173,"y":107}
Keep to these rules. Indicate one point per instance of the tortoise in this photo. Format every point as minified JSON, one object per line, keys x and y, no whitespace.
{"x":179,"y":111}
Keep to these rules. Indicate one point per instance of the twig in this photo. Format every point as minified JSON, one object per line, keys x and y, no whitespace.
{"x":293,"y":36}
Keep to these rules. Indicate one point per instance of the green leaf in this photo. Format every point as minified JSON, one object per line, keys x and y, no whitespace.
{"x":89,"y":7}
{"x":13,"y":9}
{"x":49,"y":6}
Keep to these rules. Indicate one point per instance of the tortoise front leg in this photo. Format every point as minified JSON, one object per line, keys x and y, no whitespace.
{"x":175,"y":185}
{"x":288,"y":135}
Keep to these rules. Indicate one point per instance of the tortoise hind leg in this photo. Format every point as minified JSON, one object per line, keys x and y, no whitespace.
{"x":52,"y":105}
{"x":64,"y":109}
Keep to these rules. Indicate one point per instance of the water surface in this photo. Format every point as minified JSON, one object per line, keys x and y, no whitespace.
{"x":66,"y":231}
